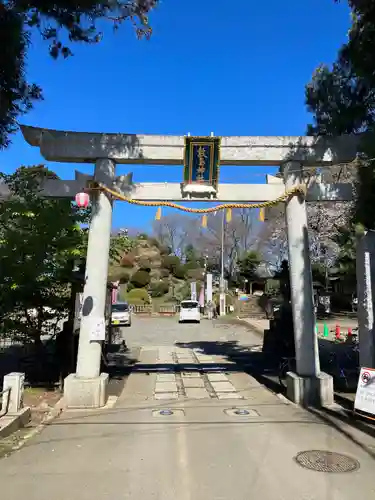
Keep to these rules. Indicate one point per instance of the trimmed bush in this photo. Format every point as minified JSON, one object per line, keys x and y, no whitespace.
{"x":164,"y":273}
{"x":144,"y":263}
{"x":179,"y":272}
{"x":192,"y":265}
{"x":140,"y":279}
{"x":195,"y":274}
{"x":118,"y":273}
{"x":124,"y":277}
{"x":159,"y":289}
{"x":138,"y":296}
{"x":170,"y":262}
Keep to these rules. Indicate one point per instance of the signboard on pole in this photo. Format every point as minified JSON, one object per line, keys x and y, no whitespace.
{"x":193,"y":288}
{"x":97,"y":329}
{"x":365,"y":395}
{"x":209,"y":287}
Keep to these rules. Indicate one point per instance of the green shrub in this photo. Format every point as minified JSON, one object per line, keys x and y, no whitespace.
{"x":164,"y":273}
{"x":170,"y":262}
{"x":179,"y":272}
{"x":195,"y":274}
{"x":140,"y":279}
{"x":138,"y":296}
{"x":192,"y":265}
{"x":124,"y":276}
{"x":116,"y":273}
{"x":159,"y":289}
{"x":144,"y":263}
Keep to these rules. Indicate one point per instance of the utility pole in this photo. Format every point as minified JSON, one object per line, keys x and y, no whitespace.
{"x":222,"y":284}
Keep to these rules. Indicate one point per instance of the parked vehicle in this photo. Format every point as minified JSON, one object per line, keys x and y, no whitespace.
{"x":190,"y":311}
{"x":121,"y":314}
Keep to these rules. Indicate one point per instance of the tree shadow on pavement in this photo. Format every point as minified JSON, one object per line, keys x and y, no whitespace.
{"x":335,"y":418}
{"x":247,"y":358}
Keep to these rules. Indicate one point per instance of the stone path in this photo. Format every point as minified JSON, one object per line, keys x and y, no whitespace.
{"x":192,"y":384}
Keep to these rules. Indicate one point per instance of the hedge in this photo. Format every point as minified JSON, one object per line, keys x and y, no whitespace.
{"x":159,"y":289}
{"x":138,"y":296}
{"x":140,"y":279}
{"x":170,"y":262}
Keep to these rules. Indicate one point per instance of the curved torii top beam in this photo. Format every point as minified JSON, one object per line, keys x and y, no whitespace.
{"x":87,"y":147}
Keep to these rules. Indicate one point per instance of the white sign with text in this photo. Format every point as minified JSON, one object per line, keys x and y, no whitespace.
{"x":365,"y":395}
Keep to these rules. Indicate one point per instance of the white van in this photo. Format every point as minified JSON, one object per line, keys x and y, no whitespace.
{"x":121,"y":315}
{"x":190,"y":311}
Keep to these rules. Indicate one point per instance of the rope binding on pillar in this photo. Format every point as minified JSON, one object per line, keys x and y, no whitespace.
{"x":299,"y":190}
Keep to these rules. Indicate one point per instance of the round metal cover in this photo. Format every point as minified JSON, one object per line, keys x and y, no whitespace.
{"x":166,"y":412}
{"x":326,"y":461}
{"x":241,"y":412}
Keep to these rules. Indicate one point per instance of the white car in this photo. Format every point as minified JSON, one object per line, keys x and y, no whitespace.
{"x":190,"y":311}
{"x":121,"y":315}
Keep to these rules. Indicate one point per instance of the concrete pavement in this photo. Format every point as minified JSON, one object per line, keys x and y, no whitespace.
{"x":203,"y":450}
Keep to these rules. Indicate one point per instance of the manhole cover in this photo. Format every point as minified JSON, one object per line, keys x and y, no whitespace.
{"x":326,"y":461}
{"x":241,"y":412}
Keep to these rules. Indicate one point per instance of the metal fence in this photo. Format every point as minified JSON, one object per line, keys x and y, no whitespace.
{"x":171,"y":309}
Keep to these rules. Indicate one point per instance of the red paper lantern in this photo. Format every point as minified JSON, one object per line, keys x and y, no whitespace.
{"x":82,"y":200}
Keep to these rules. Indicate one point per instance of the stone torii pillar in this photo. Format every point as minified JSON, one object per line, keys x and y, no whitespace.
{"x":87,"y":388}
{"x":309,"y":386}
{"x":366,"y":298}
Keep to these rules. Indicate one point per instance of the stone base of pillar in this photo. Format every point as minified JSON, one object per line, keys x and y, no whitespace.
{"x":85,"y":392}
{"x":310,"y":391}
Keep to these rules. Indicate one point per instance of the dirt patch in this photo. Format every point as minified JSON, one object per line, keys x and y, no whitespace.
{"x":41,"y":402}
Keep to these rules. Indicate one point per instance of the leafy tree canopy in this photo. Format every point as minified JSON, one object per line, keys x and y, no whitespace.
{"x":248,"y":264}
{"x":54,"y":21}
{"x":39,"y":241}
{"x":342,"y":100}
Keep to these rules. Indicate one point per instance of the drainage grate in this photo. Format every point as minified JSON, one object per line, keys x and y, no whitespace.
{"x":326,"y":461}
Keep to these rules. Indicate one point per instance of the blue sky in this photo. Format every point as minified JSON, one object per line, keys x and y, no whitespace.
{"x":232,"y":68}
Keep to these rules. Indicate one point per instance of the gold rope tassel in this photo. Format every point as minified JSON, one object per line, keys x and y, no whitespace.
{"x":204,"y":221}
{"x":261,"y":215}
{"x":158,"y":214}
{"x":229,"y":215}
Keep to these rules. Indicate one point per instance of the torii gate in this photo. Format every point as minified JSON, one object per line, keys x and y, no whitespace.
{"x":87,"y":387}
